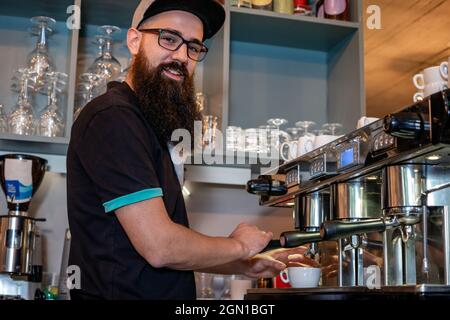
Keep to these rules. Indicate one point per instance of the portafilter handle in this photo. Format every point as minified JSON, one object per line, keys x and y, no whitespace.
{"x":292,"y":239}
{"x":334,"y":230}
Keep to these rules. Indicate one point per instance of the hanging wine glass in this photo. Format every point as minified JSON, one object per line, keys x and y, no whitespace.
{"x":51,"y":123}
{"x":3,"y":120}
{"x":332,"y":128}
{"x":306,"y":126}
{"x":86,"y":91}
{"x":39,"y":60}
{"x":21,"y":120}
{"x":107,"y":65}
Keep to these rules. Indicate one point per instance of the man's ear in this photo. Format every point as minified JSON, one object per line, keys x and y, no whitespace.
{"x":134,"y":38}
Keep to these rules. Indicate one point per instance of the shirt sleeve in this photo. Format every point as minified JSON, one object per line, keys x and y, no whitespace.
{"x":116,"y":152}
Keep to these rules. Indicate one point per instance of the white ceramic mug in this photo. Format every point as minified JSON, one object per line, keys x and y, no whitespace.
{"x":323,"y":139}
{"x":418,"y":96}
{"x":432,"y":88}
{"x":301,"y":277}
{"x":365,"y":121}
{"x":289,"y":150}
{"x":444,"y":69}
{"x":428,"y":76}
{"x":305,"y":145}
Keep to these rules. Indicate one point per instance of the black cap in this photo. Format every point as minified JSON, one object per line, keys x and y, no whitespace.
{"x":210,"y":12}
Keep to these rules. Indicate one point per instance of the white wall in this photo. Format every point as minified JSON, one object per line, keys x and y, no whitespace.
{"x":213,"y":210}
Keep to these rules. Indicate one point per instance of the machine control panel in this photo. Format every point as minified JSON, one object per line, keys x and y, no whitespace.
{"x":320,"y":167}
{"x":292,"y":177}
{"x":383,"y":141}
{"x":348,"y":154}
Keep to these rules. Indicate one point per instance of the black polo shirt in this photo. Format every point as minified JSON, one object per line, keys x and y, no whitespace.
{"x":114,"y":159}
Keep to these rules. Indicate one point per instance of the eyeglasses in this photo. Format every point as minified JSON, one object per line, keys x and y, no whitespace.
{"x":172,"y":41}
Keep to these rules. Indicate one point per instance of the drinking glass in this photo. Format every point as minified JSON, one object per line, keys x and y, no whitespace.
{"x":234,"y":138}
{"x":333,"y":129}
{"x":251,"y":140}
{"x":294,"y":133}
{"x":3,"y":120}
{"x":51,"y":123}
{"x":209,"y":132}
{"x":86,"y":91}
{"x":21,"y":119}
{"x":39,"y":61}
{"x":106,"y":65}
{"x":279,"y":136}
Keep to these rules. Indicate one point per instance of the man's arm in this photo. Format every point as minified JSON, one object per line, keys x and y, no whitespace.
{"x":164,"y":243}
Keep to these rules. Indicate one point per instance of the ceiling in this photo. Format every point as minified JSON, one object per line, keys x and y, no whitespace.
{"x":415,"y":35}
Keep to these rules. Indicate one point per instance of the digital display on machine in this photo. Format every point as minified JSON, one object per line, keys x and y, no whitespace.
{"x":347,"y":157}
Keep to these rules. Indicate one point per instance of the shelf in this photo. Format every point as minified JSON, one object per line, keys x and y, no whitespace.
{"x":303,"y":32}
{"x":37,"y":144}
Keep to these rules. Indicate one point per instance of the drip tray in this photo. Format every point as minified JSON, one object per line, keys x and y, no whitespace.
{"x":419,"y":292}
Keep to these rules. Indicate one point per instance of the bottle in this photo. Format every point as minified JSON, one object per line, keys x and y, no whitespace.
{"x":320,"y":9}
{"x":283,"y":6}
{"x":337,"y":9}
{"x":262,"y":4}
{"x":301,"y":7}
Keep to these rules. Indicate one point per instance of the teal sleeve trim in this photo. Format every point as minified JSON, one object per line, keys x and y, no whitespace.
{"x":132,"y":198}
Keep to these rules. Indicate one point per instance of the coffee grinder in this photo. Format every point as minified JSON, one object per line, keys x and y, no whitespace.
{"x":20,"y":266}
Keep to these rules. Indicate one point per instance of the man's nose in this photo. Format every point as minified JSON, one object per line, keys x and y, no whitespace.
{"x":181,"y":54}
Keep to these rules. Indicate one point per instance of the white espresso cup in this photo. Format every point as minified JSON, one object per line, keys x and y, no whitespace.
{"x":432,"y":88}
{"x":444,"y":70}
{"x":305,"y":144}
{"x":418,"y":96}
{"x":323,"y":139}
{"x":289,"y":150}
{"x":301,"y":277}
{"x":428,"y":76}
{"x":365,"y":121}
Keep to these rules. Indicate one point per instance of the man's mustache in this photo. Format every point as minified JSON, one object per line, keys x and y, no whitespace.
{"x":177,"y":66}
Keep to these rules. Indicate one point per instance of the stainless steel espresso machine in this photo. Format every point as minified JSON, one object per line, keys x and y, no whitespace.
{"x":20,"y":245}
{"x":389,"y":196}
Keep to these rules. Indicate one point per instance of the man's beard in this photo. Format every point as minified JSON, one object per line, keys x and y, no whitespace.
{"x":167,"y":104}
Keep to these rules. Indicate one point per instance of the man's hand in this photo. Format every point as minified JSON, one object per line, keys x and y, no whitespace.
{"x":252,"y":239}
{"x":269,"y":264}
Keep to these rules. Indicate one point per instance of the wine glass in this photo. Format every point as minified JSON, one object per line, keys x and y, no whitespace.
{"x":305,"y":125}
{"x":279,"y":136}
{"x":39,"y":60}
{"x":332,"y":128}
{"x":106,"y":65}
{"x":294,"y":133}
{"x":86,"y":91}
{"x":21,"y":119}
{"x":3,"y":120}
{"x":51,"y":123}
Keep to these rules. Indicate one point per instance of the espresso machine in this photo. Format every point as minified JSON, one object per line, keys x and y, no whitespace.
{"x":20,"y":242}
{"x":389,"y":186}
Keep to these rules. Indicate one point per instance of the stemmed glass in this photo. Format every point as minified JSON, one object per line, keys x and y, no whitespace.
{"x":21,"y":120}
{"x":306,"y":125}
{"x":332,"y":128}
{"x":51,"y":123}
{"x":39,"y":60}
{"x":279,"y":136}
{"x":86,"y":91}
{"x":106,"y":65}
{"x":3,"y":120}
{"x":294,"y":133}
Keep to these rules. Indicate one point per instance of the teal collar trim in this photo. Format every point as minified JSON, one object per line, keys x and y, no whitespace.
{"x":139,"y":196}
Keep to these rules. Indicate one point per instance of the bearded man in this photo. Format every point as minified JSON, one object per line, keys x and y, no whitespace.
{"x":129,"y":227}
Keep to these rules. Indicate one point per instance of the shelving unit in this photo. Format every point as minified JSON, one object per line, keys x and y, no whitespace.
{"x":260,"y":65}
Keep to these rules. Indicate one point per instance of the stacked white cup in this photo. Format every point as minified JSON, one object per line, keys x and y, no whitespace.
{"x":430,"y":81}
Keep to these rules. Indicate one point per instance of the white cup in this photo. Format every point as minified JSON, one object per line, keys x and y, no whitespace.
{"x":289,"y":150}
{"x":238,"y":288}
{"x":365,"y":121}
{"x":322,"y":140}
{"x":434,"y":87}
{"x":418,"y":96}
{"x":444,"y":70}
{"x":430,"y":75}
{"x":301,"y":277}
{"x":305,"y":145}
